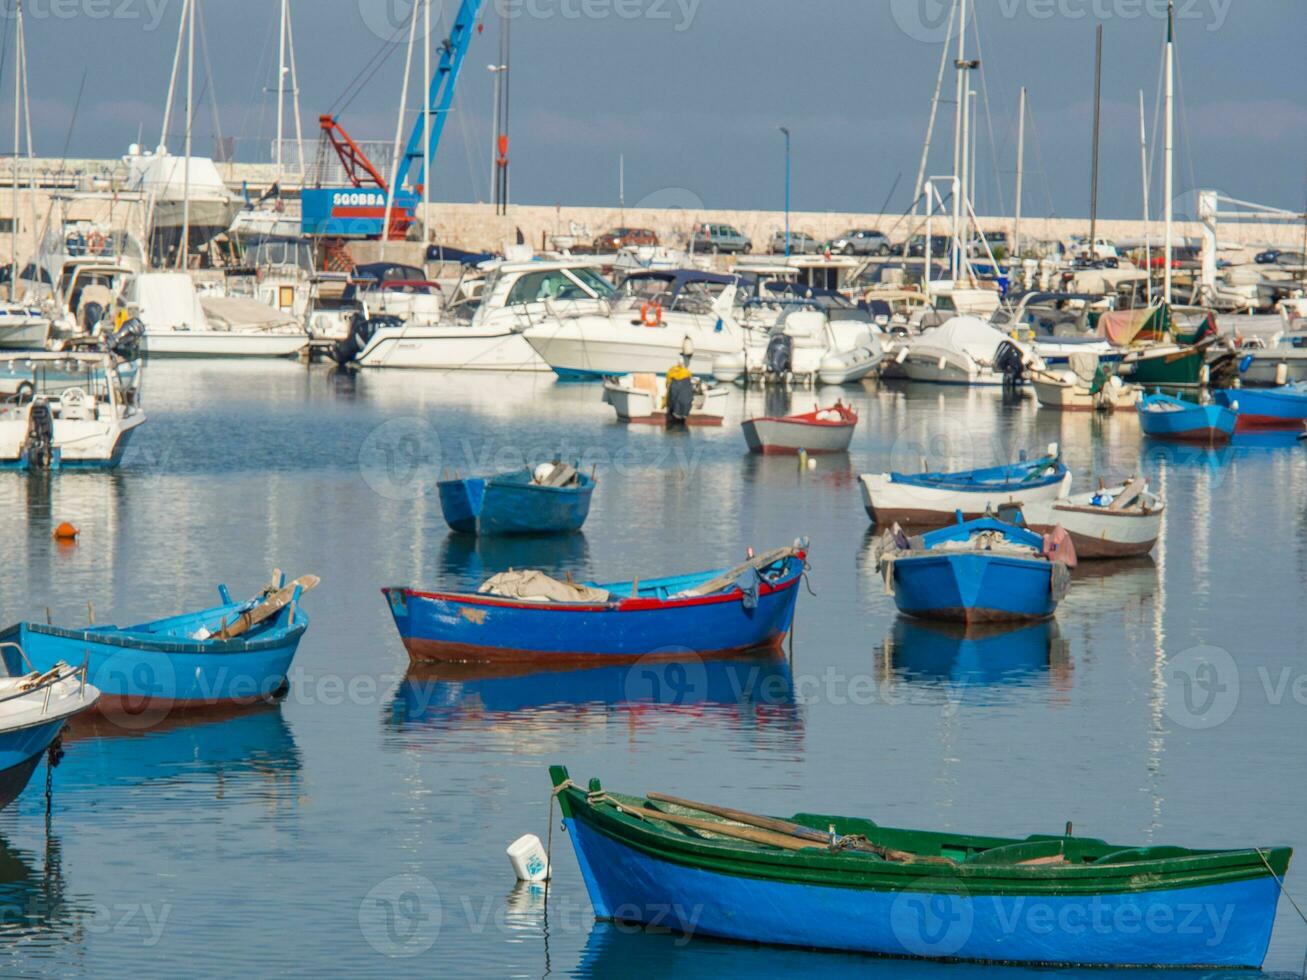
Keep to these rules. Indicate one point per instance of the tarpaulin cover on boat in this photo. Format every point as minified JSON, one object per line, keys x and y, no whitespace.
{"x":538,"y":587}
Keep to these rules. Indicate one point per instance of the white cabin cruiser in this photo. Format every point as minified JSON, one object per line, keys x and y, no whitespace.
{"x":63,"y":410}
{"x":658,"y":319}
{"x":177,"y":323}
{"x":484,"y":331}
{"x":833,"y":345}
{"x":965,"y":350}
{"x":23,"y":327}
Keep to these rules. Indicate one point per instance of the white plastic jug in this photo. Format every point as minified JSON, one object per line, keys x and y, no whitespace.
{"x":530,"y":862}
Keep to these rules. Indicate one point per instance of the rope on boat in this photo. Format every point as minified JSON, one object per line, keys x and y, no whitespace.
{"x":1285,"y":891}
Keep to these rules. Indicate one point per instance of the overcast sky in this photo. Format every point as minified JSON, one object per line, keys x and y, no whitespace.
{"x":692,"y":92}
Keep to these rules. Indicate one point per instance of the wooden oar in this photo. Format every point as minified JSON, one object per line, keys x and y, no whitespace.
{"x":268,"y":608}
{"x":798,"y":830}
{"x":751,"y":834}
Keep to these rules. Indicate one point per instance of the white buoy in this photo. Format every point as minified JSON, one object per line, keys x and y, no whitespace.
{"x":530,"y":862}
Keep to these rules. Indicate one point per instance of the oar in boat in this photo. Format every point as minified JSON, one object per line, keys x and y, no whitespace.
{"x":728,"y":578}
{"x":788,"y":828}
{"x":754,"y":835}
{"x":268,"y":608}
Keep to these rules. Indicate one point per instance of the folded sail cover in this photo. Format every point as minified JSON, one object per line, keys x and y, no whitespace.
{"x":1123,"y":327}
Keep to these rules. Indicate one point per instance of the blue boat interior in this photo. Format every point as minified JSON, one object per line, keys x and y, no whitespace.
{"x":678,"y":585}
{"x":1042,"y":472}
{"x":965,"y":530}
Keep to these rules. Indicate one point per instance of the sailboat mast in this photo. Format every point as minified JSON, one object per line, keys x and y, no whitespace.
{"x":184,"y":246}
{"x":1021,"y":172}
{"x":1143,"y":154}
{"x":959,"y":149}
{"x":281,"y":89}
{"x":18,"y":115}
{"x":1167,"y":189}
{"x":1098,"y":116}
{"x":426,"y":123}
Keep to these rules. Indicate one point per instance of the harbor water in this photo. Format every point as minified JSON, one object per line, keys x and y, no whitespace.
{"x":360,"y":826}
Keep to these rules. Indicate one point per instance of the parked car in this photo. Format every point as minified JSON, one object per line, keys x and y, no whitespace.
{"x":939,"y":246}
{"x":1277,"y":256}
{"x":997,"y":241}
{"x":620,"y":238}
{"x":800,"y":244}
{"x":1182,"y":257}
{"x":719,"y":238}
{"x":862,"y":241}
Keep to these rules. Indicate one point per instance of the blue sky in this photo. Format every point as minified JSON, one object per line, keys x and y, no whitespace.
{"x":692,"y":92}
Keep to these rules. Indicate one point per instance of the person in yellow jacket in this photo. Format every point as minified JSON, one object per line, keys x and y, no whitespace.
{"x":678,"y":400}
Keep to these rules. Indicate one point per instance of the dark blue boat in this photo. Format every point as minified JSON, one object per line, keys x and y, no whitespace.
{"x":543,"y":501}
{"x":233,"y":653}
{"x":526,"y":616}
{"x":981,"y":571}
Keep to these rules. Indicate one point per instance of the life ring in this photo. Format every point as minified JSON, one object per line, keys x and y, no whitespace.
{"x":95,"y":243}
{"x":651,"y":314}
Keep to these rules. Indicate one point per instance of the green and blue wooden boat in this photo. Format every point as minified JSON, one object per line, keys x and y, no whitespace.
{"x":845,"y":883}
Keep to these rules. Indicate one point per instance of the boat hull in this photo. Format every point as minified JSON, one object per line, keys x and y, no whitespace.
{"x":223,"y":343}
{"x":628,"y":885}
{"x":163,"y":675}
{"x":783,"y":437}
{"x":1259,"y":411}
{"x":489,"y":507}
{"x":460,"y":628}
{"x":1097,"y":532}
{"x":23,"y":333}
{"x":20,"y":754}
{"x":437,"y":347}
{"x":578,"y":353}
{"x":1171,"y":367}
{"x":889,"y":502}
{"x":90,"y":444}
{"x":1206,"y":424}
{"x":974,"y":587}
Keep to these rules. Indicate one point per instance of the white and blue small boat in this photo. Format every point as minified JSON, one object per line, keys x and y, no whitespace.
{"x":34,"y":707}
{"x":932,"y":499}
{"x":1167,"y":417}
{"x":982,"y":571}
{"x":233,"y":653}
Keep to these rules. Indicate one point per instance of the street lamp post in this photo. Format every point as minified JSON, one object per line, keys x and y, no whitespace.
{"x":786,"y":131}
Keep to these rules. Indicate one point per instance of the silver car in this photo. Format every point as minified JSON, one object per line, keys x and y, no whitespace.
{"x":861,"y":241}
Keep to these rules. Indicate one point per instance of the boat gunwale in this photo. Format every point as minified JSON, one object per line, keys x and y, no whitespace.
{"x":816,"y":867}
{"x":152,"y":643}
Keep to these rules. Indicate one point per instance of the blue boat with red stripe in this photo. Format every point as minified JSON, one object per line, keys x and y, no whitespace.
{"x":1266,"y":408}
{"x":527,"y":616}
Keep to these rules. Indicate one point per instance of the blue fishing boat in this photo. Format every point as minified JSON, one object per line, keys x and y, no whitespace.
{"x":1266,"y":408}
{"x":932,"y":499}
{"x":528,"y":616}
{"x":1167,"y":417}
{"x":34,"y":707}
{"x":551,"y":499}
{"x":236,"y":652}
{"x":982,"y":571}
{"x":817,"y":880}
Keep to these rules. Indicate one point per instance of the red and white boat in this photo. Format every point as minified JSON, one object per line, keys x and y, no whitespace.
{"x":823,"y":430}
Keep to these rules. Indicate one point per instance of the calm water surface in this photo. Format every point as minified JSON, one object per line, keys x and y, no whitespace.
{"x":296,"y":839}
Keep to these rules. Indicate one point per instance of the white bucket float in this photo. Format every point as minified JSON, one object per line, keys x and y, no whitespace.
{"x":530,"y":862}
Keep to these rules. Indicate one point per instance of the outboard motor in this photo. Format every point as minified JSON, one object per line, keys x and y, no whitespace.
{"x":92,"y":314}
{"x":38,"y":446}
{"x":125,"y":342}
{"x":361,"y":331}
{"x":1011,"y":363}
{"x":780,"y":354}
{"x":680,"y":400}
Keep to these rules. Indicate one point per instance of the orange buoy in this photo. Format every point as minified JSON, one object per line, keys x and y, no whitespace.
{"x":66,"y":532}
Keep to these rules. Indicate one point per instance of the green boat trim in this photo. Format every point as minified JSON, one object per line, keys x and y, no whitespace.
{"x":976,"y":865}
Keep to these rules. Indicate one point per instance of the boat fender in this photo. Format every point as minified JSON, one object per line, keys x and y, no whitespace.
{"x":1245,"y":363}
{"x":1061,"y":581}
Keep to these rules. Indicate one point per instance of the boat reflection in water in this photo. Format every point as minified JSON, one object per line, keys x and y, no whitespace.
{"x":35,"y":908}
{"x":242,"y":752}
{"x":466,"y":561}
{"x":754,"y":693}
{"x":621,"y":950}
{"x":958,"y":656}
